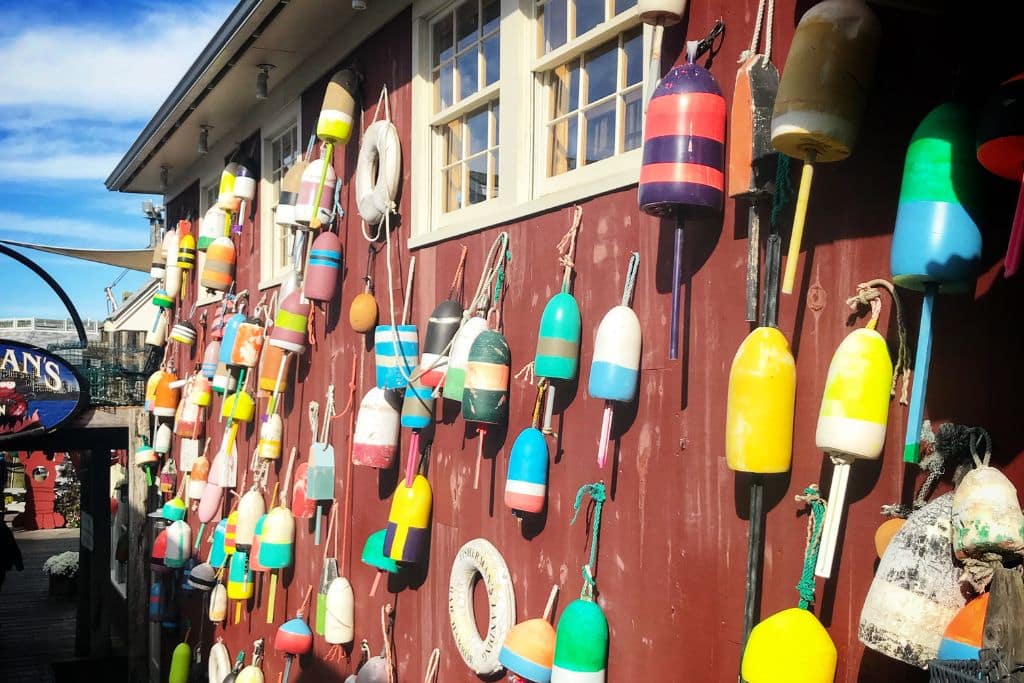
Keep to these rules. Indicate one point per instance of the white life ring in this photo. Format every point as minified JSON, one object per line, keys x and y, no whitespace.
{"x":220,"y":663}
{"x":378,"y":170}
{"x":479,"y":556}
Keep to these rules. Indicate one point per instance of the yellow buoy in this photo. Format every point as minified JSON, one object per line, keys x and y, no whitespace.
{"x":789,"y":647}
{"x":760,"y":405}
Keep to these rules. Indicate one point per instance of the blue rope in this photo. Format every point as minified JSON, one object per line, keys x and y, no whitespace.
{"x":598,"y":494}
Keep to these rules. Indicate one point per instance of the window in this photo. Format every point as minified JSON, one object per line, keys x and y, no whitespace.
{"x":207,"y":198}
{"x":280,"y":150}
{"x":571,"y":96}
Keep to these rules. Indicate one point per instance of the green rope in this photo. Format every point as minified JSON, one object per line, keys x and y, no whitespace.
{"x":597,"y":492}
{"x":783,"y":193}
{"x":817,"y":516}
{"x":500,"y":280}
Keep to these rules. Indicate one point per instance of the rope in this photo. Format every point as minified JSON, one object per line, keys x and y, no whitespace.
{"x":458,"y":280}
{"x":325,"y":430}
{"x":631,"y":271}
{"x":492,"y":270}
{"x":784,"y":192}
{"x":527,"y":373}
{"x":766,"y":21}
{"x":817,"y":505}
{"x":598,"y":494}
{"x":314,"y":419}
{"x":389,"y":648}
{"x":952,"y":446}
{"x":432,"y":666}
{"x":362,"y":130}
{"x":567,"y":247}
{"x":542,"y":388}
{"x":868,"y":295}
{"x":978,"y":571}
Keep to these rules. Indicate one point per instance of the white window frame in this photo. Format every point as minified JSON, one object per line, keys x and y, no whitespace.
{"x":274,"y":264}
{"x":204,"y":297}
{"x":524,"y":186}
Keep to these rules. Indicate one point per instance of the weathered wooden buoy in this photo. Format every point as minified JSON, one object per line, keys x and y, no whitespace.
{"x":790,"y":646}
{"x":1001,"y":151}
{"x":247,"y":343}
{"x":219,"y":267}
{"x":179,"y":544}
{"x":936,"y":246}
{"x":408,"y":531}
{"x":339,"y":623}
{"x":444,"y":323}
{"x":986,"y":514}
{"x":290,"y":325}
{"x":964,"y":636}
{"x":418,"y":405}
{"x":916,"y":589}
{"x":375,"y":442}
{"x":760,"y":404}
{"x":581,"y":645}
{"x":852,"y":421}
{"x":527,"y":483}
{"x":822,"y":96}
{"x":323,"y":268}
{"x":362,"y":313}
{"x":455,"y":378}
{"x":396,"y":352}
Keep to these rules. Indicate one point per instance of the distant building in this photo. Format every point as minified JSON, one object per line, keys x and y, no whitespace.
{"x":45,"y":331}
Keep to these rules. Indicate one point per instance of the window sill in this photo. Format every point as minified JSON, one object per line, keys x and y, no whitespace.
{"x":578,"y":185}
{"x":272,"y":282}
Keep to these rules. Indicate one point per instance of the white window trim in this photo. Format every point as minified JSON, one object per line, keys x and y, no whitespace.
{"x":524,"y":187}
{"x":289,"y":115}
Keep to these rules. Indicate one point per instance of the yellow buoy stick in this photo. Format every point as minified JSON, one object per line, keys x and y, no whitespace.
{"x":272,"y":600}
{"x":314,"y":222}
{"x":799,"y":216}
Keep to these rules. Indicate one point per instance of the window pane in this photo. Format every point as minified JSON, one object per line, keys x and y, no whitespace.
{"x":453,"y":142}
{"x":466,"y":24}
{"x":633,"y":120}
{"x":563,"y":145}
{"x":495,"y":110}
{"x":443,"y":40}
{"x":494,"y":174}
{"x":601,"y":72}
{"x":476,"y":127}
{"x":477,"y":179}
{"x":492,"y":63}
{"x":623,"y":5}
{"x":468,"y":74}
{"x":554,"y":19}
{"x":600,"y":132}
{"x":633,"y":50}
{"x":491,"y":16}
{"x":589,"y":13}
{"x":443,"y":90}
{"x":453,"y":188}
{"x":565,"y":89}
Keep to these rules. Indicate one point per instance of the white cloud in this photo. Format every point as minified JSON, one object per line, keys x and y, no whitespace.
{"x":73,"y":232}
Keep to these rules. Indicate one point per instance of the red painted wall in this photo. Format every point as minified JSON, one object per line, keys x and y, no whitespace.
{"x":674,"y":534}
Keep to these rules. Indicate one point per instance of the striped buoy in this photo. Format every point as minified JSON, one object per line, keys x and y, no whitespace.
{"x":163,"y":299}
{"x":964,"y":636}
{"x":581,"y":645}
{"x":408,"y":530}
{"x":219,"y":268}
{"x":173,"y":510}
{"x":270,"y":368}
{"x":304,"y":209}
{"x":396,"y":349}
{"x":375,"y":442}
{"x":208,"y":368}
{"x":172,"y":273}
{"x":157,"y":267}
{"x":271,"y":434}
{"x":240,"y":583}
{"x":558,"y":344}
{"x":290,"y":325}
{"x":485,"y":398}
{"x":323,"y":267}
{"x":418,"y":406}
{"x":231,"y":533}
{"x":201,"y":392}
{"x":158,"y":554}
{"x":250,"y":508}
{"x":187,"y":252}
{"x":455,"y":378}
{"x":288,"y":197}
{"x":166,"y":395}
{"x":197,"y":479}
{"x":203,"y":576}
{"x":184,"y":332}
{"x":277,"y":542}
{"x":335,"y":122}
{"x":441,"y":329}
{"x":211,"y":227}
{"x":527,"y":482}
{"x":226,"y":198}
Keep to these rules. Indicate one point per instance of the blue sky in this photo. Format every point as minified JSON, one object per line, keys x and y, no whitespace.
{"x":80,"y":79}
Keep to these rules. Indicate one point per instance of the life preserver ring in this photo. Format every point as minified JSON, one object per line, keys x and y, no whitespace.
{"x":479,"y":556}
{"x":220,"y":663}
{"x":378,"y":170}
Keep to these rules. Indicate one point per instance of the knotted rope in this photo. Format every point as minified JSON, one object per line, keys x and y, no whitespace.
{"x":567,"y":247}
{"x":764,"y":20}
{"x":868,"y":296}
{"x":815,"y":521}
{"x":598,"y":494}
{"x":631,"y":272}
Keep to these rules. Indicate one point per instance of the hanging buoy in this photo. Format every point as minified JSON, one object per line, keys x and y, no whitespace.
{"x":226,"y":198}
{"x":183,"y":332}
{"x":307,"y":210}
{"x":162,"y":440}
{"x":197,"y":479}
{"x":333,"y":127}
{"x":240,"y":584}
{"x":219,"y":268}
{"x":158,"y":265}
{"x":186,"y":253}
{"x":293,"y":638}
{"x":290,"y":324}
{"x":378,"y":171}
{"x":936,"y":246}
{"x":250,"y":508}
{"x":271,"y":434}
{"x":396,"y":351}
{"x":418,"y":406}
{"x":173,"y":510}
{"x":615,"y":369}
{"x":323,"y":268}
{"x":458,"y":359}
{"x":158,"y":554}
{"x":219,"y":666}
{"x":916,"y":589}
{"x":373,"y":555}
{"x":790,"y":646}
{"x":218,"y":610}
{"x":581,"y":645}
{"x":444,"y":323}
{"x":408,"y":530}
{"x":822,"y":96}
{"x":166,"y":395}
{"x":172,"y":273}
{"x":288,"y":197}
{"x":339,"y":622}
{"x":965,"y":635}
{"x":208,"y":368}
{"x":240,"y":406}
{"x":270,"y":367}
{"x":247,"y":343}
{"x":179,"y":544}
{"x":203,"y":577}
{"x":211,"y":227}
{"x":244,"y":190}
{"x":527,"y":482}
{"x":375,"y":442}
{"x":986,"y":514}
{"x":1001,"y":151}
{"x":529,"y":650}
{"x":558,"y":344}
{"x":362,"y":314}
{"x":485,"y":396}
{"x":480,"y":558}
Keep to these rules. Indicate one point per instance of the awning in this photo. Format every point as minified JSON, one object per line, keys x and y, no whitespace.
{"x":132,"y":259}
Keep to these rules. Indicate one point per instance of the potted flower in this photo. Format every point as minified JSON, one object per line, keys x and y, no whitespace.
{"x":63,"y":572}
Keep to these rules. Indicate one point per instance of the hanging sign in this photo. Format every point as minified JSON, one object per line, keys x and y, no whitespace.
{"x":38,"y":390}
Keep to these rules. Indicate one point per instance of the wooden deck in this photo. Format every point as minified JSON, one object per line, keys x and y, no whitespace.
{"x":35,"y":629}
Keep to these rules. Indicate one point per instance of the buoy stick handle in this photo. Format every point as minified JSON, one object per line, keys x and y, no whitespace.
{"x":314,"y":221}
{"x":753,"y":259}
{"x":755,"y":545}
{"x":799,"y":216}
{"x":287,"y":667}
{"x":654,"y":66}
{"x":915,"y":415}
{"x":316,"y":536}
{"x":606,"y":433}
{"x":481,"y":435}
{"x":199,"y":536}
{"x":272,"y":406}
{"x":376,"y":582}
{"x":833,"y":520}
{"x":411,"y":459}
{"x":549,"y":408}
{"x":677,"y":274}
{"x":238,"y":611}
{"x":272,"y":600}
{"x":1016,"y":243}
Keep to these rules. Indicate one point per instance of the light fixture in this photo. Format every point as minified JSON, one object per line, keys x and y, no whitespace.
{"x":359,"y":5}
{"x":164,"y":173}
{"x":204,"y":138}
{"x":263,"y":80}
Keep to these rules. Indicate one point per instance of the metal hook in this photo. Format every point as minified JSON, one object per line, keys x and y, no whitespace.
{"x":707,"y":43}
